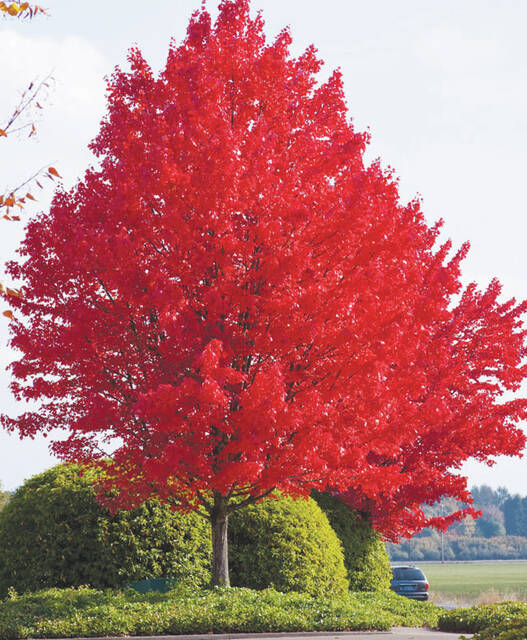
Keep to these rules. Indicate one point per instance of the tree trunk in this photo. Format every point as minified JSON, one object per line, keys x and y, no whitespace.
{"x":220,"y":547}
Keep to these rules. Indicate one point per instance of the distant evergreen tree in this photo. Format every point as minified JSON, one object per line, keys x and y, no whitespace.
{"x":523,"y":517}
{"x":502,"y":494}
{"x":485,"y":496}
{"x":488,"y":526}
{"x":515,"y":514}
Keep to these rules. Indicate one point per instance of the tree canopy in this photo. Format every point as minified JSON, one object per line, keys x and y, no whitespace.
{"x":234,"y":302}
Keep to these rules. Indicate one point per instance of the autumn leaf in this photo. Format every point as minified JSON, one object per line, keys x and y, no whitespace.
{"x":54,"y":172}
{"x":24,"y":9}
{"x":3,"y":133}
{"x":8,"y":314}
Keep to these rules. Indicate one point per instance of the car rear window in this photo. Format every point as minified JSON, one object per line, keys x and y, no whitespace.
{"x":408,"y":573}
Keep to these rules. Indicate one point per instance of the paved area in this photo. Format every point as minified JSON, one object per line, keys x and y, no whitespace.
{"x":397,"y":633}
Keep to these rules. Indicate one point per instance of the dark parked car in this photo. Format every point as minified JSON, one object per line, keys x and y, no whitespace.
{"x":409,"y":581}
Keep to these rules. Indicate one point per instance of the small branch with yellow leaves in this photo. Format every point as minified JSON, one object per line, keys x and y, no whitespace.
{"x":22,"y":10}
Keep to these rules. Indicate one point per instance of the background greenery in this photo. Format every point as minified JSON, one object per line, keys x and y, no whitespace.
{"x":459,"y":548}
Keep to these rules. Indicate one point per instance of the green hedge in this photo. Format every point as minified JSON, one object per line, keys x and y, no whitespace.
{"x":53,"y":533}
{"x":85,"y":612}
{"x":287,"y":544}
{"x":365,"y":558}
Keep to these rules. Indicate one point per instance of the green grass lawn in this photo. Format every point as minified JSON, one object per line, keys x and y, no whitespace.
{"x":467,"y":583}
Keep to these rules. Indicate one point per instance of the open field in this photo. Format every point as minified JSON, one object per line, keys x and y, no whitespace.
{"x":476,"y":582}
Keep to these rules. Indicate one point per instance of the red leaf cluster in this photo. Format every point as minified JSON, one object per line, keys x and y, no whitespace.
{"x":234,"y":301}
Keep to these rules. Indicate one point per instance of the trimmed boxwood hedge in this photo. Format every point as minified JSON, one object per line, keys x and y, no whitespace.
{"x":365,"y":558}
{"x":286,"y":544}
{"x":53,"y":533}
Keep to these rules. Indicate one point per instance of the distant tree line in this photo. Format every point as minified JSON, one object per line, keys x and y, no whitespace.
{"x":432,"y":548}
{"x":499,"y":533}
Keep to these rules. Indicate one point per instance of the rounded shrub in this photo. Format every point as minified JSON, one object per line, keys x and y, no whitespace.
{"x":286,"y":544}
{"x":365,"y":558}
{"x":53,"y":533}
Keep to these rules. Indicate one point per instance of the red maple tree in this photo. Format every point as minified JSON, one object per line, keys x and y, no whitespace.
{"x":233,"y":302}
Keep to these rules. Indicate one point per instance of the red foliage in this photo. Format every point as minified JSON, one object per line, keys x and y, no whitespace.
{"x":234,"y":302}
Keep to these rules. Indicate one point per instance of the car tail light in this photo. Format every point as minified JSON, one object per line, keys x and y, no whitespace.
{"x":427,"y":586}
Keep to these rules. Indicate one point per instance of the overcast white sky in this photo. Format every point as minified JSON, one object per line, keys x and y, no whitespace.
{"x":440,"y":85}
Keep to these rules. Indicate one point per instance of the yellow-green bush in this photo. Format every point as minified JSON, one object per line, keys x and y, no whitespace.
{"x":287,"y":544}
{"x":365,"y":558}
{"x":53,"y":533}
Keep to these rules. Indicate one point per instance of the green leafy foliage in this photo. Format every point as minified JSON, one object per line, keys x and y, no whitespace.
{"x":54,"y":533}
{"x":83,"y":612}
{"x":515,"y":629}
{"x":287,"y":544}
{"x":365,"y":558}
{"x":481,"y":617}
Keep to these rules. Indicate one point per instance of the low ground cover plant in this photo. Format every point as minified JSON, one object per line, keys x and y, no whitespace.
{"x":515,"y":629}
{"x":483,"y":618}
{"x":85,"y":612}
